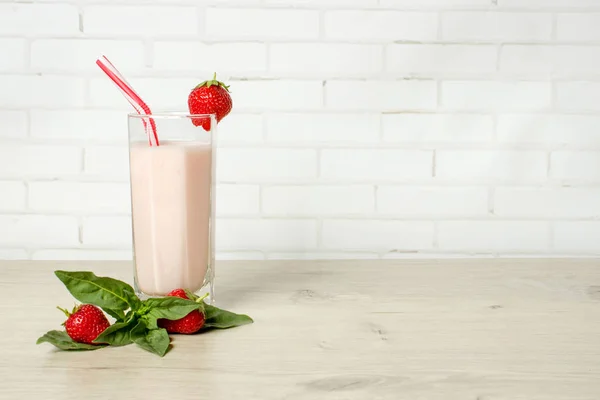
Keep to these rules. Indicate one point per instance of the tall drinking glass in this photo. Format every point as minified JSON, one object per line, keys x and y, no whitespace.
{"x":172,"y":203}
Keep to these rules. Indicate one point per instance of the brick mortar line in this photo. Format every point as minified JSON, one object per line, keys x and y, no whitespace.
{"x":210,"y":40}
{"x":321,"y":111}
{"x":462,"y":111}
{"x":324,"y":111}
{"x":338,"y":7}
{"x":365,"y":217}
{"x":327,"y":253}
{"x":379,"y":77}
{"x":567,"y":184}
{"x":558,"y":186}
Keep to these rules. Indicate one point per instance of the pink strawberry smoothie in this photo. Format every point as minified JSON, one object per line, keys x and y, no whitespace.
{"x":171,"y":207}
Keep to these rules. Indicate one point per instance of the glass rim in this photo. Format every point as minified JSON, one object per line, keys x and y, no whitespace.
{"x":170,"y":115}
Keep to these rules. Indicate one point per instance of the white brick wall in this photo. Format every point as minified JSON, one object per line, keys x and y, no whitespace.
{"x":575,"y":166}
{"x":441,"y":58}
{"x":85,"y":125}
{"x":41,"y":91}
{"x":561,"y":4}
{"x":267,"y":234}
{"x":477,"y":95}
{"x":381,"y":95}
{"x":500,"y":236}
{"x":26,"y":231}
{"x":38,"y":19}
{"x":378,"y":235}
{"x":492,"y":165}
{"x":361,"y":128}
{"x":325,"y":59}
{"x":135,"y":20}
{"x":226,"y":58}
{"x":544,"y":60}
{"x":82,"y":197}
{"x":549,"y":130}
{"x":497,"y":26}
{"x":13,"y":54}
{"x":547,"y":203}
{"x":14,"y":196}
{"x":106,"y":232}
{"x":578,"y":27}
{"x":376,"y":165}
{"x":578,"y":96}
{"x":318,"y":200}
{"x":14,"y":124}
{"x":341,"y":128}
{"x":425,"y":202}
{"x":279,"y":95}
{"x":577,"y":237}
{"x":246,"y":165}
{"x":241,"y":128}
{"x":75,"y":54}
{"x":278,"y":24}
{"x":106,"y":162}
{"x":380,"y":25}
{"x":428,"y":128}
{"x":23,"y":161}
{"x":238,"y":199}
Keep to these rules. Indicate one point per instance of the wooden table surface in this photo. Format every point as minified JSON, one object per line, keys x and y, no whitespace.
{"x":416,"y":330}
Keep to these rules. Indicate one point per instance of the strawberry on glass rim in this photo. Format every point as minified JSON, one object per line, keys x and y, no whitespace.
{"x":209,"y":97}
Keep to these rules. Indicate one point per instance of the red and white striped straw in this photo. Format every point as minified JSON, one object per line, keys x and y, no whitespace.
{"x":132,"y":97}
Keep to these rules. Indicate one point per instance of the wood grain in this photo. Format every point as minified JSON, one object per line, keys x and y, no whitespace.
{"x":415,"y":330}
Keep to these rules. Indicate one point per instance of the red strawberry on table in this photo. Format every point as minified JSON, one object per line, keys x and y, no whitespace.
{"x":85,"y":323}
{"x":189,"y":324}
{"x":209,"y":97}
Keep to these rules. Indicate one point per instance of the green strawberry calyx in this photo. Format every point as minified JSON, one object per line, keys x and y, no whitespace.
{"x":213,"y":82}
{"x":199,"y":300}
{"x":67,"y":312}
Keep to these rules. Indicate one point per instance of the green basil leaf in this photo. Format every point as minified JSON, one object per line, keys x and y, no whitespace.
{"x":155,"y":341}
{"x":216,"y":318}
{"x":118,"y":334}
{"x":107,"y":293}
{"x":116,"y":314}
{"x":168,"y":308}
{"x":143,"y":343}
{"x":139,"y":330}
{"x":63,"y":341}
